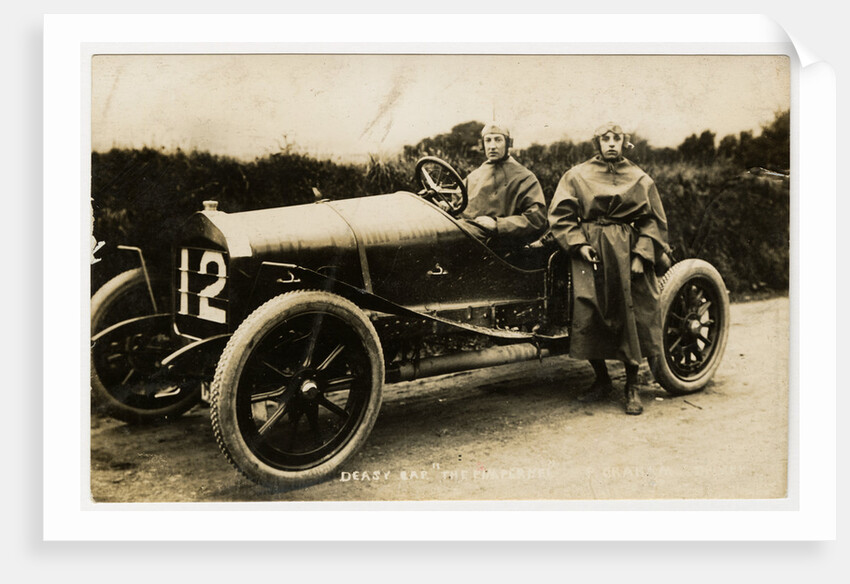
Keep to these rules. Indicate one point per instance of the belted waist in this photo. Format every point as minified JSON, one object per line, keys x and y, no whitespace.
{"x":607,"y":221}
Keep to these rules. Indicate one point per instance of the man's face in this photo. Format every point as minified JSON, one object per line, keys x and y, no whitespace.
{"x":495,"y":146}
{"x":611,"y":145}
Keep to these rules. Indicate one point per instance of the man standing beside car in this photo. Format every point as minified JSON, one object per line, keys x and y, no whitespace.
{"x":506,"y":207}
{"x":607,"y":214}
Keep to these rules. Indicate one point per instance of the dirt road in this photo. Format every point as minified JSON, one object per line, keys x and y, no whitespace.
{"x":512,"y":432}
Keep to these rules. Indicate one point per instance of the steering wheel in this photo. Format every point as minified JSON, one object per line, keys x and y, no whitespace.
{"x":441,"y":185}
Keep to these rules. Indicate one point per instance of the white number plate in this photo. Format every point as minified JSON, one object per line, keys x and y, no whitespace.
{"x":203,"y":278}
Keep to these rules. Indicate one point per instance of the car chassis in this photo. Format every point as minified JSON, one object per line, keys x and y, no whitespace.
{"x":294,"y":318}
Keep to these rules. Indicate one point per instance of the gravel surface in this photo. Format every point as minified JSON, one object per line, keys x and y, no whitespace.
{"x":513,"y":432}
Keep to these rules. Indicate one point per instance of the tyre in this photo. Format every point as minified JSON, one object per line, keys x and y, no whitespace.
{"x":123,"y":360}
{"x":124,"y":296}
{"x":694,"y":308}
{"x":297,"y":389}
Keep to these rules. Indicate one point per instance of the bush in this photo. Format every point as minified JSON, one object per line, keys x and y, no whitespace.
{"x":716,"y":210}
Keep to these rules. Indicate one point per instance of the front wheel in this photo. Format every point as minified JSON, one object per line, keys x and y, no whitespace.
{"x":694,"y":308}
{"x":297,"y":389}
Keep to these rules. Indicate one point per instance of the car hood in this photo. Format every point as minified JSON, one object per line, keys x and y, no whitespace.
{"x":321,"y":232}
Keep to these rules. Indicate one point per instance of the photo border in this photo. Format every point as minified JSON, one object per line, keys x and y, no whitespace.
{"x":807,"y":513}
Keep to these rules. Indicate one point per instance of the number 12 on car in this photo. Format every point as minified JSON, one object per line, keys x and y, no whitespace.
{"x":203,"y":280}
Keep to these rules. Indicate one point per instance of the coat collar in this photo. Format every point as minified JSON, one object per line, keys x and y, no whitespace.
{"x":509,"y":158}
{"x":620,"y":163}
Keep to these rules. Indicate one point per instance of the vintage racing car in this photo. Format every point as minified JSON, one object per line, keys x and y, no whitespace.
{"x":292,"y":319}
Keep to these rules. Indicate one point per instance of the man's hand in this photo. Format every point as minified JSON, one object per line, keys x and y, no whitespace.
{"x":637,"y":266}
{"x":588,"y":254}
{"x":487,"y":223}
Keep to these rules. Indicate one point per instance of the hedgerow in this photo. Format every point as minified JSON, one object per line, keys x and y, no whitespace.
{"x":716,"y":208}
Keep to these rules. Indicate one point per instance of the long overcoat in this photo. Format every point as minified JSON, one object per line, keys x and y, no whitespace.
{"x":615,"y":208}
{"x":509,"y":193}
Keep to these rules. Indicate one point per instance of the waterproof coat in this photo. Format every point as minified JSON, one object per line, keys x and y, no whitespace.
{"x":615,"y":208}
{"x":509,"y":193}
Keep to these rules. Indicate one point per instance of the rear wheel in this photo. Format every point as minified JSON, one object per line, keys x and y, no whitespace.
{"x":297,"y":389}
{"x":695,"y":325}
{"x":129,"y":341}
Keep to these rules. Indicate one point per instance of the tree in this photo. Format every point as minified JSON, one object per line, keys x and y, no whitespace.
{"x":728,"y":147}
{"x":458,"y":144}
{"x":771,"y":149}
{"x":775,"y":141}
{"x":698,"y":149}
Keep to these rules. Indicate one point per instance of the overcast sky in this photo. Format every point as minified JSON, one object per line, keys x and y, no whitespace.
{"x":350,"y":106}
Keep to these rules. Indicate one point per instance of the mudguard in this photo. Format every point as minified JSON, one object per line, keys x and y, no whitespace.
{"x":197,"y":359}
{"x":291,"y":277}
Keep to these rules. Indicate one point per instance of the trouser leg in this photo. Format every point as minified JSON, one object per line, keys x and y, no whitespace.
{"x":633,"y":405}
{"x":601,"y":386}
{"x":601,"y":370}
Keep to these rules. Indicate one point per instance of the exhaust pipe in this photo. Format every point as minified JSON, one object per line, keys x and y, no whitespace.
{"x":472,"y":360}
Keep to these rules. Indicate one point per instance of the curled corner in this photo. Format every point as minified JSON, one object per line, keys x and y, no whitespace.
{"x":806,"y":56}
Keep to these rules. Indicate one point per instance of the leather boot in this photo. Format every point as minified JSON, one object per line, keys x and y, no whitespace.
{"x":633,"y":405}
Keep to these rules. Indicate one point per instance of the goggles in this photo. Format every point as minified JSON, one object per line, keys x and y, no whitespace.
{"x":609,"y":127}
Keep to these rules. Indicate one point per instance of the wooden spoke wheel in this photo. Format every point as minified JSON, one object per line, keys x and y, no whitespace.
{"x":297,"y":389}
{"x":695,"y":326}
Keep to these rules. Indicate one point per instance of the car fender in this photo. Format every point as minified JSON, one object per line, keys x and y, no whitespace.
{"x":196,"y":359}
{"x":281,"y":277}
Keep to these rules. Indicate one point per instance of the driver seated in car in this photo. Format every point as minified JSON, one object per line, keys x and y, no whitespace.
{"x":506,"y":207}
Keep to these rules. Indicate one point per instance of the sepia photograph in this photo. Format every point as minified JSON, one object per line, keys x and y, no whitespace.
{"x":439,"y":277}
